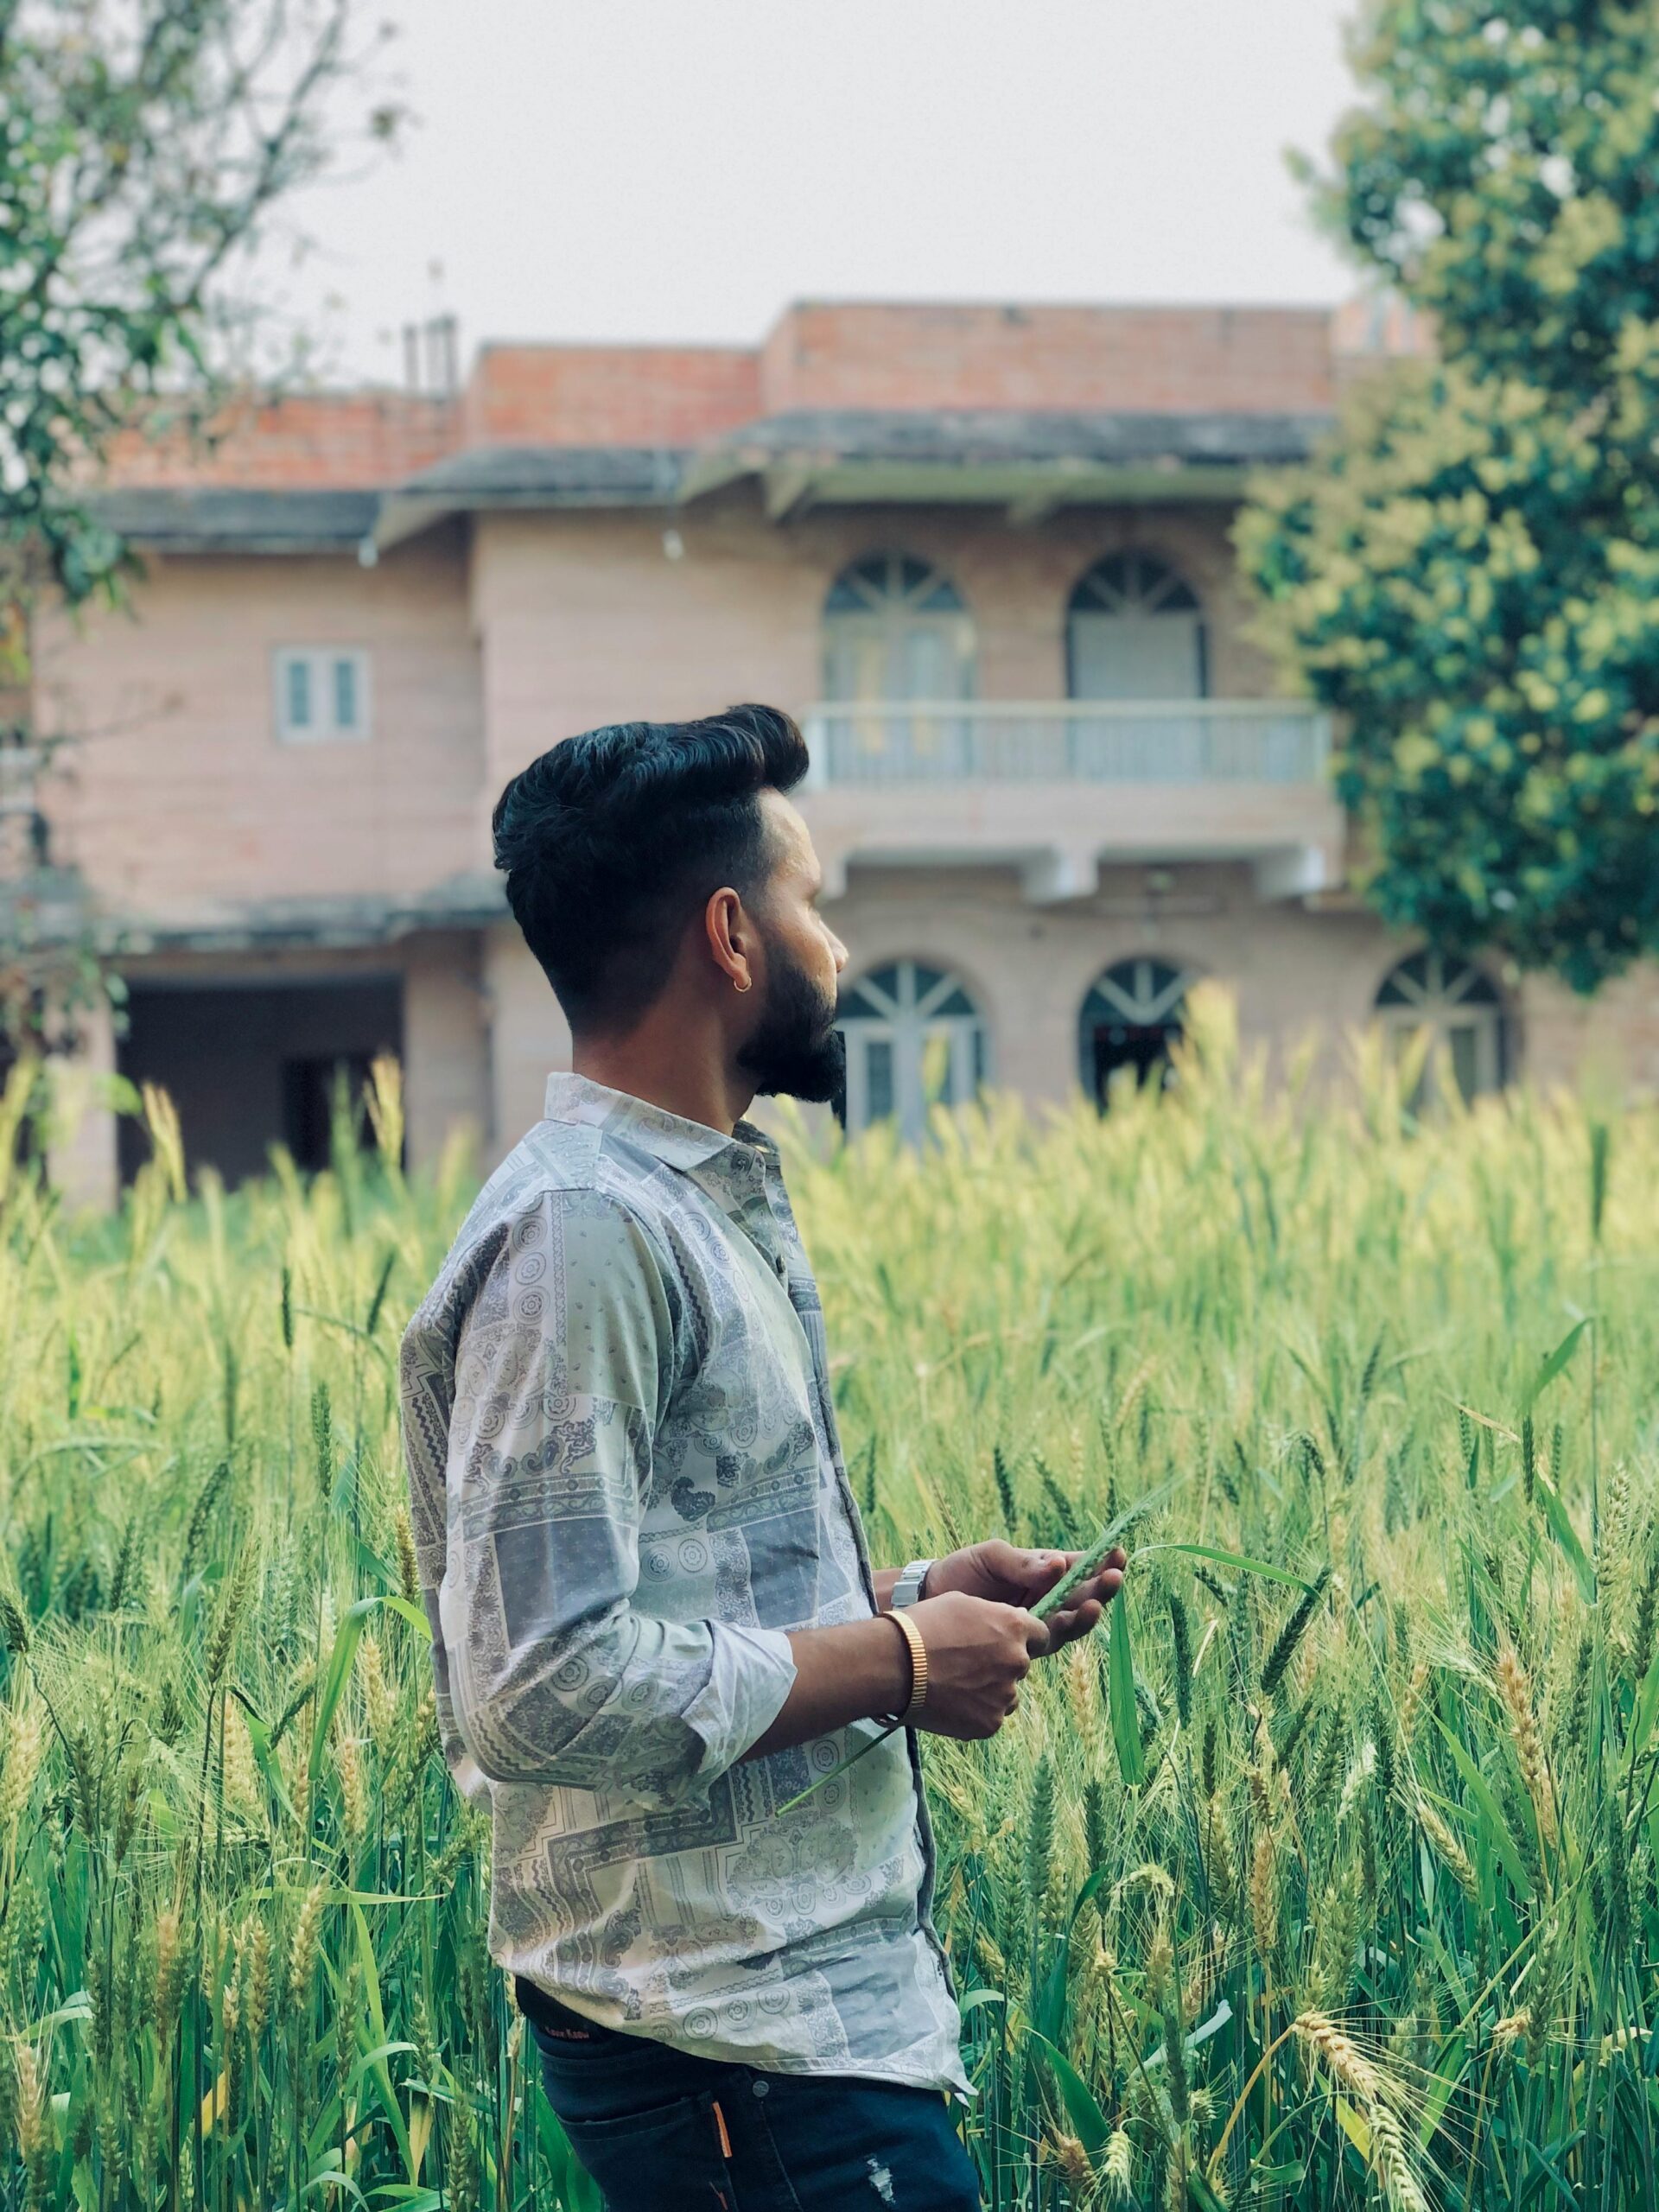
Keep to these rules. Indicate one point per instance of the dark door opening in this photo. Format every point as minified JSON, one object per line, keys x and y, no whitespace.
{"x":1130,"y":1020}
{"x":252,"y":1064}
{"x":310,"y":1088}
{"x":1142,"y":1047}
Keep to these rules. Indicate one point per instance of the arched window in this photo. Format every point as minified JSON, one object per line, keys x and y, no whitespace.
{"x":1134,"y":629}
{"x":915,"y":1039}
{"x":1462,"y":1009}
{"x":1129,"y":1020}
{"x":896,"y":630}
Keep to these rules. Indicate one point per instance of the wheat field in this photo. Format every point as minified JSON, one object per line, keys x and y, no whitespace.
{"x":1327,"y":1878}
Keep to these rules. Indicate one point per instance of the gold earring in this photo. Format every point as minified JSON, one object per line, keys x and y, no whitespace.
{"x":736,"y":986}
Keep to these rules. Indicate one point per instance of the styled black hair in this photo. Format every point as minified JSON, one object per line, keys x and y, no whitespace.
{"x":613,"y":839}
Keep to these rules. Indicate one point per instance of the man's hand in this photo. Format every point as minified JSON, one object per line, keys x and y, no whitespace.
{"x":1008,"y":1576}
{"x":981,"y":1637}
{"x":979,"y":1651}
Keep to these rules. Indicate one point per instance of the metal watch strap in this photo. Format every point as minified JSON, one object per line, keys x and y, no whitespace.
{"x":912,"y":1581}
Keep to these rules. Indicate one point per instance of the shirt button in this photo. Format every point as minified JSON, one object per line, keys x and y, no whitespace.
{"x":760,"y":2088}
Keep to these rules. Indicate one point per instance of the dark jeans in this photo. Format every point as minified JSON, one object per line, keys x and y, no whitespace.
{"x":661,"y":2131}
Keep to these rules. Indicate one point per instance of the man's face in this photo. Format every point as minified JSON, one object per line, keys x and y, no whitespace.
{"x":795,"y":1048}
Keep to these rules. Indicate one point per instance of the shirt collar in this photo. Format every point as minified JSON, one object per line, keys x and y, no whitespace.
{"x":670,"y":1137}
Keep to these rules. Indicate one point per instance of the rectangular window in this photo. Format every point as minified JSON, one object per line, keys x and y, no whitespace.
{"x":299,"y":693}
{"x":345,"y":693}
{"x":320,"y":694}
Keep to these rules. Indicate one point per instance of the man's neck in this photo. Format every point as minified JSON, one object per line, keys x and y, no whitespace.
{"x":666,"y":1071}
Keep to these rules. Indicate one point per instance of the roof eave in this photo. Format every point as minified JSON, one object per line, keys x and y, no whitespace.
{"x":404,"y":515}
{"x":277,"y":543}
{"x":1032,"y":466}
{"x":1028,"y":489}
{"x":473,"y":901}
{"x":206,"y":519}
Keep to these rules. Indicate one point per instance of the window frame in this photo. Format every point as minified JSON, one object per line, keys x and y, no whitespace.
{"x":1168,"y":576}
{"x":1145,"y":990}
{"x":322,"y":664}
{"x":1447,"y":996}
{"x":906,"y":1029}
{"x":885,"y":613}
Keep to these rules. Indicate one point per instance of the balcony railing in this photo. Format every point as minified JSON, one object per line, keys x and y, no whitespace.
{"x":1068,"y":740}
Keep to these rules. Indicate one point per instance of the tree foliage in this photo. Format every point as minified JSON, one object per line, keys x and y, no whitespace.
{"x":142,"y":144}
{"x":1470,"y":575}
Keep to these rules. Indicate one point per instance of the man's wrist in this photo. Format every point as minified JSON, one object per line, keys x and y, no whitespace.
{"x":904,"y":1672}
{"x":913,"y":1694}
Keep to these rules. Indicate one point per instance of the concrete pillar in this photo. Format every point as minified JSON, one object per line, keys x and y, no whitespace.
{"x":81,"y":1158}
{"x":446,"y":1046}
{"x":529,"y":1036}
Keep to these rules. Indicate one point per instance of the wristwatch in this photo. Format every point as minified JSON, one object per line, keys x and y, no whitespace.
{"x":911,"y":1585}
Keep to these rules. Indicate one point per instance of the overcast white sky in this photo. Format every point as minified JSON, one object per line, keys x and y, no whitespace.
{"x":681,"y":168}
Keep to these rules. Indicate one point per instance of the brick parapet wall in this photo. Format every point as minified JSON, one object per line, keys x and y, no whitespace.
{"x":1175,"y":359}
{"x":349,"y":440}
{"x":850,"y":355}
{"x":608,"y":395}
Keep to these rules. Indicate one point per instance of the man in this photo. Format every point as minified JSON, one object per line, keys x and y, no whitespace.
{"x":654,"y":1621}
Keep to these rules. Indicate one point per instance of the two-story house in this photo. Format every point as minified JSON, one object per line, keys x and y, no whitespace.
{"x":982,"y":552}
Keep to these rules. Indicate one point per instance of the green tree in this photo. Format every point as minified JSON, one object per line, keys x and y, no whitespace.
{"x":1470,"y":573}
{"x":144,"y":146}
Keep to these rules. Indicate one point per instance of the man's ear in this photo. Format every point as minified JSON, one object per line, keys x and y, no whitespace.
{"x":731,"y":937}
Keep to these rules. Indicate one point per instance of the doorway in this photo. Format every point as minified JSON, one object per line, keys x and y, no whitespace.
{"x":251,"y":1065}
{"x":1130,"y":1019}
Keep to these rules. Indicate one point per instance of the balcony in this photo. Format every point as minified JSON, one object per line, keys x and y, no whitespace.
{"x":1068,"y":740}
{"x":1058,"y":788}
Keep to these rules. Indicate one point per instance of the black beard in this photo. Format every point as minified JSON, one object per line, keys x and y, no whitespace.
{"x":796,"y":1052}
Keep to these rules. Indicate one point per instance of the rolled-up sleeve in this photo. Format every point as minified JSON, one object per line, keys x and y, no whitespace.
{"x":564,"y":1366}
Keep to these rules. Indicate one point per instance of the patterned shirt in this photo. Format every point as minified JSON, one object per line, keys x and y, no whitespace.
{"x":626,"y":1485}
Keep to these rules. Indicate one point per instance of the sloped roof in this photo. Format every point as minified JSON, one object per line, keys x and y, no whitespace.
{"x":1042,"y":458}
{"x":1015,"y":434}
{"x":187,"y":518}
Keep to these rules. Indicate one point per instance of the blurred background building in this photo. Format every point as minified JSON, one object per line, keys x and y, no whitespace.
{"x":983,"y":554}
